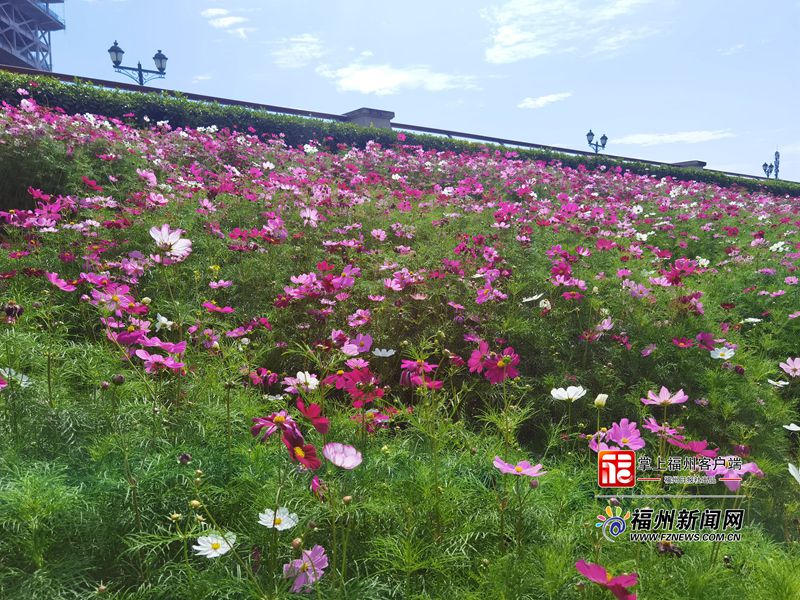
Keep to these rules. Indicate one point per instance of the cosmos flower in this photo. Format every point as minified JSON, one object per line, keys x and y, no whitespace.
{"x":342,"y":455}
{"x":171,"y":242}
{"x":616,"y":585}
{"x":306,"y":570}
{"x":521,"y":468}
{"x":791,"y":366}
{"x":722,"y":353}
{"x":214,"y":545}
{"x":665,"y":397}
{"x":572,"y":393}
{"x":280,"y":519}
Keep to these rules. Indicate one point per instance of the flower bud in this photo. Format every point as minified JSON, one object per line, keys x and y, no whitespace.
{"x":146,"y":300}
{"x":297,"y":543}
{"x":195,"y":504}
{"x":104,"y":385}
{"x":600,"y":401}
{"x":534,"y":483}
{"x":118,"y":379}
{"x":174,"y":517}
{"x":347,"y":499}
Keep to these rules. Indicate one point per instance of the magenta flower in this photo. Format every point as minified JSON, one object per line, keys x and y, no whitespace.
{"x":342,"y":455}
{"x":212,"y":307}
{"x":306,"y":570}
{"x":61,"y":284}
{"x":683,"y":342}
{"x":625,"y":434}
{"x":266,"y":426}
{"x":665,"y":397}
{"x":616,"y":585}
{"x":791,"y":366}
{"x":476,"y":359}
{"x":733,"y":477}
{"x":521,"y":468}
{"x":648,"y":350}
{"x":501,"y":368}
{"x":156,"y":362}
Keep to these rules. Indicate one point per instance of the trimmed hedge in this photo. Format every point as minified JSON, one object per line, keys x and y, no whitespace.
{"x":80,"y":97}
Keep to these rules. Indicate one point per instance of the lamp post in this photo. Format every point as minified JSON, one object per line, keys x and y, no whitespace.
{"x":597,"y":145}
{"x":137,"y":73}
{"x":768,"y":168}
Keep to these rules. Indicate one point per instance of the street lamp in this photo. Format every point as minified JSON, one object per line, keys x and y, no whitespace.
{"x":768,"y":168}
{"x":138,"y":73}
{"x":597,"y":145}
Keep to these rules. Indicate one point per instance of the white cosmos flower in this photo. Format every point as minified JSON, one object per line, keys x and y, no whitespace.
{"x":795,"y":472}
{"x":10,"y":374}
{"x":572,"y":393}
{"x":280,"y":519}
{"x":214,"y":545}
{"x":171,"y":240}
{"x":545,"y":304}
{"x":751,"y":320}
{"x":792,"y":427}
{"x":779,"y":384}
{"x":307,"y":380}
{"x":723,"y":353}
{"x":164,"y":322}
{"x":383,"y":353}
{"x":532,"y":298}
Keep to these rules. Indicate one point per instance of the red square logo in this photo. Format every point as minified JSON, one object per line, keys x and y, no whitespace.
{"x":616,"y":468}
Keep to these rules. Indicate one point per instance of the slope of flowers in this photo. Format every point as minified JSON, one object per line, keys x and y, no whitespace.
{"x":232,"y":368}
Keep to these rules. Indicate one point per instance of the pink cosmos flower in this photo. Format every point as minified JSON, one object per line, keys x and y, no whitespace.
{"x":212,"y":307}
{"x":156,"y":362}
{"x":220,"y":284}
{"x":648,"y":350}
{"x":733,"y":477}
{"x":476,"y":360}
{"x":791,"y":366}
{"x":625,"y":434}
{"x":171,"y":242}
{"x":696,"y":447}
{"x":342,"y":455}
{"x":60,"y":283}
{"x":503,"y":367}
{"x":683,"y":342}
{"x":616,"y":585}
{"x":521,"y":468}
{"x":266,"y":426}
{"x":665,"y":397}
{"x":306,"y":570}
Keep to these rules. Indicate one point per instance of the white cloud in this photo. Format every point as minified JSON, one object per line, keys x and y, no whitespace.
{"x":383,"y":80}
{"x":199,"y":78}
{"x":221,"y":18}
{"x":680,"y":137}
{"x":210,"y":13}
{"x":541,"y":101}
{"x":226,"y":22}
{"x":730,"y":51}
{"x":297,"y":51}
{"x":524,"y":29}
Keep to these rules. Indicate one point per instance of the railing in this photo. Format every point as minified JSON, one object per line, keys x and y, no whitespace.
{"x":344,"y":118}
{"x":43,"y":8}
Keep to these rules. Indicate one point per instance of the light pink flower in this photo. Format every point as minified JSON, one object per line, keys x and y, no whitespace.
{"x":342,"y":455}
{"x":791,"y":366}
{"x":665,"y":397}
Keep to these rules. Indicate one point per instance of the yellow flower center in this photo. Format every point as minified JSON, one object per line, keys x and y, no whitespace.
{"x":115,"y":298}
{"x":304,"y":567}
{"x":215,"y":545}
{"x":518,"y":469}
{"x":131,"y":328}
{"x":503,"y":362}
{"x":277,"y":521}
{"x":340,"y":372}
{"x":279,"y":419}
{"x":625,"y":440}
{"x":298,"y":452}
{"x":609,"y":577}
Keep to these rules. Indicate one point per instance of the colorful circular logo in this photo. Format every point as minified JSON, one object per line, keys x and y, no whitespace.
{"x":613,"y":523}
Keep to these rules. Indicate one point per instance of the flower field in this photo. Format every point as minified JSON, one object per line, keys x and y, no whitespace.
{"x":232,"y":368}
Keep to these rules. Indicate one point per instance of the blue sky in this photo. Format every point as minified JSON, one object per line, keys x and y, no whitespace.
{"x":669,"y":80}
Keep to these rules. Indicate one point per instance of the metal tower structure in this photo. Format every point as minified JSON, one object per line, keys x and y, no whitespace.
{"x":25,"y":27}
